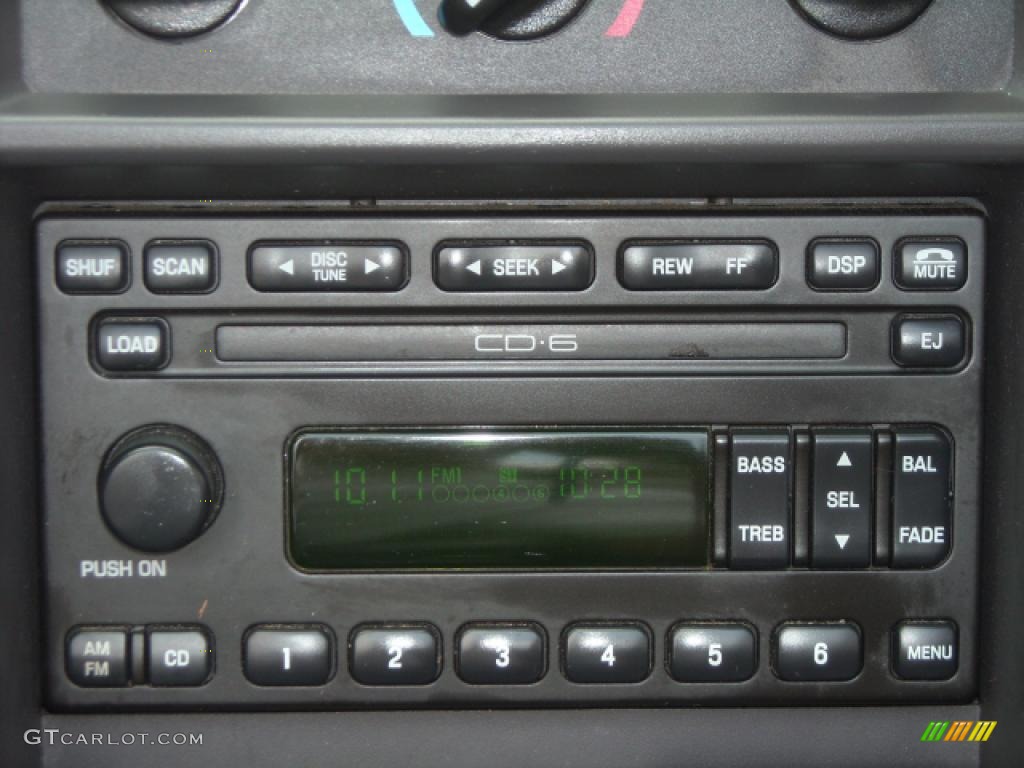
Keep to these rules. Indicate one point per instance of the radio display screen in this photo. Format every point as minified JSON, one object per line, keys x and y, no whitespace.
{"x":545,"y":499}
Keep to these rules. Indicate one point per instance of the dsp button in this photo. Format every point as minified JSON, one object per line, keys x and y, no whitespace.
{"x":843,"y":265}
{"x":179,"y":657}
{"x":287,"y":655}
{"x":931,"y":265}
{"x":92,"y":267}
{"x":932,"y":342}
{"x":135,"y":345}
{"x":181,"y":267}
{"x":925,"y":650}
{"x":818,"y":652}
{"x":759,"y":500}
{"x":922,"y":515}
{"x":713,"y":653}
{"x":699,"y":266}
{"x":528,"y":267}
{"x":499,"y":655}
{"x":97,"y":658}
{"x":607,"y":654}
{"x":396,"y":655}
{"x":327,"y":267}
{"x":843,"y":508}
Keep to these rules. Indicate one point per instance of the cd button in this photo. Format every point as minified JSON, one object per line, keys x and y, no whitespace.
{"x":607,"y":655}
{"x":759,"y":507}
{"x":327,"y":267}
{"x":713,"y":653}
{"x":818,"y":652}
{"x":396,"y":656}
{"x":501,"y":655}
{"x":281,"y":656}
{"x":179,"y":657}
{"x":530,"y":267}
{"x":98,"y":658}
{"x":704,"y":266}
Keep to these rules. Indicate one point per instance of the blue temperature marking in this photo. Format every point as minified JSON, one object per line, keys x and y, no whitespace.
{"x":412,"y":18}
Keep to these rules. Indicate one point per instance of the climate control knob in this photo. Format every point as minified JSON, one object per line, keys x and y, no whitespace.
{"x":160,"y":487}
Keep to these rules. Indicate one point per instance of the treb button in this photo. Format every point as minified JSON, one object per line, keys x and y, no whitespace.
{"x":699,"y":266}
{"x":759,"y":500}
{"x":556,"y":266}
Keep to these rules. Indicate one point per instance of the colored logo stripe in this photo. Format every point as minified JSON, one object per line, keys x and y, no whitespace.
{"x":412,"y":18}
{"x":959,"y":730}
{"x":626,"y":20}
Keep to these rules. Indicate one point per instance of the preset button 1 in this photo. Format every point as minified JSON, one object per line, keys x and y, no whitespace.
{"x":288,"y":656}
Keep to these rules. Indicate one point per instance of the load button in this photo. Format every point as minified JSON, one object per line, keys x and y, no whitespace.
{"x":135,"y":345}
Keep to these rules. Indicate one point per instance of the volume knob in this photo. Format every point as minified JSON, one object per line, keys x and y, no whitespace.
{"x":160,"y":487}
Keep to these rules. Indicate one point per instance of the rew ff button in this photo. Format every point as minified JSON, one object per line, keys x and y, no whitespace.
{"x":699,"y":266}
{"x":132,"y":345}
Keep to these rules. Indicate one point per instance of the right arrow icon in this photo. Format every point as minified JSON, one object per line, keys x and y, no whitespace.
{"x":841,"y":539}
{"x":844,"y":460}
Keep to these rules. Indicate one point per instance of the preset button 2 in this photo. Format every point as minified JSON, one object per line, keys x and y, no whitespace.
{"x":395,"y":655}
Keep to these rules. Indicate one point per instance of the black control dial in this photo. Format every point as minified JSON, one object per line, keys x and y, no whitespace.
{"x":160,"y":487}
{"x":513,"y":20}
{"x":172,"y":19}
{"x":861,"y":19}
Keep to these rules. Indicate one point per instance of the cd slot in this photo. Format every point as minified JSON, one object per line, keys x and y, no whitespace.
{"x":654,"y":342}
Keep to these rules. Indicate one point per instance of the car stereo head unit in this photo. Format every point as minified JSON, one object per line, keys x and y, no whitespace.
{"x":433,"y":458}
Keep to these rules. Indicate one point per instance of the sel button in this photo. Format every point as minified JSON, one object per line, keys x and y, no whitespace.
{"x":843,"y":505}
{"x":179,"y":657}
{"x":98,"y":658}
{"x":139,"y":345}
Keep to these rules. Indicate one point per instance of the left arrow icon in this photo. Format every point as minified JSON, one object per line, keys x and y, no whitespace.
{"x":288,"y":266}
{"x":474,"y":267}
